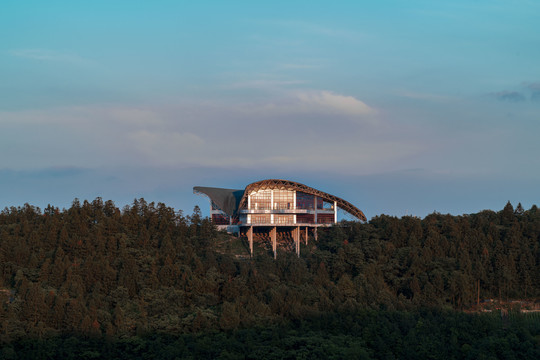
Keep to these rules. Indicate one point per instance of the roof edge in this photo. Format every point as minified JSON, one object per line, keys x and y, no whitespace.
{"x":292,"y":185}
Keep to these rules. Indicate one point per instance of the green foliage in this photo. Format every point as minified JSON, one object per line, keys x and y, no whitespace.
{"x":94,"y":281}
{"x":425,"y":334}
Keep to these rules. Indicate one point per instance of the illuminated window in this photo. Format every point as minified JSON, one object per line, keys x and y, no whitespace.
{"x":260,"y":218}
{"x":283,"y":200}
{"x":261,"y":200}
{"x":283,"y":219}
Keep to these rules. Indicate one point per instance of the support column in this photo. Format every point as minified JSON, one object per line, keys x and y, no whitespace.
{"x":273,"y":235}
{"x":315,"y":209}
{"x":296,"y":237}
{"x":250,"y":238}
{"x":335,"y":212}
{"x":294,"y":207}
{"x":272,"y":206}
{"x":315,"y":233}
{"x":306,"y":235}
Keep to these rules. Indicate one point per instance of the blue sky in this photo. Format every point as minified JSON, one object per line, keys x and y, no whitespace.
{"x":399,"y":107}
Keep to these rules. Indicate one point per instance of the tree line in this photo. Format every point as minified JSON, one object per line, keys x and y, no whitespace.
{"x":147,"y":271}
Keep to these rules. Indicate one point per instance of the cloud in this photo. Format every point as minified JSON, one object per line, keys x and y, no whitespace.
{"x":76,"y":116}
{"x":526,"y":91}
{"x":424,"y":96}
{"x":295,"y":130}
{"x":134,"y":115}
{"x":292,"y":106}
{"x":329,"y":101}
{"x":49,"y":55}
{"x":309,"y":130}
{"x":166,"y":148}
{"x":511,"y":96}
{"x":90,"y":136}
{"x":534,"y":88}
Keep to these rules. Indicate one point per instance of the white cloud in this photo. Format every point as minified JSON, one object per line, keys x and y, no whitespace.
{"x":328,"y":101}
{"x":298,"y":130}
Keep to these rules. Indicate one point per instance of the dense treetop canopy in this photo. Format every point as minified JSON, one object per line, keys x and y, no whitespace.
{"x":95,"y":271}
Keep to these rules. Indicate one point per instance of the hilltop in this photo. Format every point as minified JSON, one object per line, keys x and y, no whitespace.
{"x":95,"y":271}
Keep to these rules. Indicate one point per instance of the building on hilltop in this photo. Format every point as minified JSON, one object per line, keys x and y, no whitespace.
{"x":277,"y":210}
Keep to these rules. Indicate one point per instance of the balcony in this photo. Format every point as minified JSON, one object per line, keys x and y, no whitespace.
{"x":286,"y":211}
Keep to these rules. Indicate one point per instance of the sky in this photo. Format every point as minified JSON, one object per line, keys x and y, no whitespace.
{"x":399,"y":107}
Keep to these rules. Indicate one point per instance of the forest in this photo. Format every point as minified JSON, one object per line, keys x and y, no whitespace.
{"x":148,"y":281}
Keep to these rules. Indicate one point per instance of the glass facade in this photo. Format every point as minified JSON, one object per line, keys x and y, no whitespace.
{"x":261,"y":200}
{"x":305,"y":218}
{"x":325,"y":218}
{"x":283,"y":219}
{"x":304,"y":201}
{"x":260,"y":218}
{"x":220,"y":219}
{"x":307,"y":201}
{"x":288,"y":207}
{"x":283,"y":200}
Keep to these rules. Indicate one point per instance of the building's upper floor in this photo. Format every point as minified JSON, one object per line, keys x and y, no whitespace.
{"x":275,"y":202}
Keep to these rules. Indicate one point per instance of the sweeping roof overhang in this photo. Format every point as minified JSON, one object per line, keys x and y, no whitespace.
{"x":231,"y":200}
{"x":227,"y":200}
{"x":291,"y":185}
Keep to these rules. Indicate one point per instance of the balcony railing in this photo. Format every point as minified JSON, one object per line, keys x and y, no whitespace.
{"x":286,"y":211}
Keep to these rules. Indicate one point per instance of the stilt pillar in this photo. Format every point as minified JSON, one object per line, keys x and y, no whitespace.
{"x":315,"y":233}
{"x":273,"y":235}
{"x":250,"y":239}
{"x":306,"y":235}
{"x":296,"y":237}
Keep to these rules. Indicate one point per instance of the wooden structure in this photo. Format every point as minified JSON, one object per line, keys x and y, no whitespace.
{"x":276,"y":210}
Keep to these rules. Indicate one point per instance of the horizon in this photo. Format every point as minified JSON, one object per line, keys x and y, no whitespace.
{"x":204,"y":207}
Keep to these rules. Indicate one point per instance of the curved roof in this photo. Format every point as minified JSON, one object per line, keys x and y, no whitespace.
{"x":226,"y":200}
{"x":291,"y":185}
